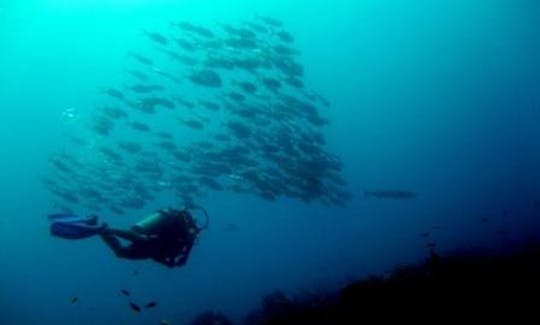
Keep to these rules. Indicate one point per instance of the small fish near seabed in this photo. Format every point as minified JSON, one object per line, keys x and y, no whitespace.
{"x":136,"y":308}
{"x":390,"y":194}
{"x":151,"y":304}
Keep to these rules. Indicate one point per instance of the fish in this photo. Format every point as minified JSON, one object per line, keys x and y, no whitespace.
{"x":288,"y":66}
{"x":114,"y":93}
{"x":110,"y":153}
{"x":245,"y":113}
{"x":236,"y":96}
{"x":164,"y":135}
{"x":189,"y":27}
{"x":206,"y":77}
{"x":151,"y":304}
{"x":201,"y":31}
{"x":142,"y":89}
{"x":194,"y":124}
{"x":240,"y":32}
{"x":313,"y":96}
{"x":182,"y":156}
{"x":149,"y":103}
{"x":285,"y":36}
{"x":167,"y":145}
{"x":294,"y":82}
{"x":157,"y":37}
{"x":390,"y":194}
{"x":204,"y":144}
{"x":136,"y":308}
{"x":247,"y":87}
{"x":61,"y":166}
{"x":164,"y":322}
{"x":219,"y":62}
{"x":317,"y":120}
{"x":140,"y":126}
{"x":184,"y":25}
{"x":137,"y":74}
{"x":181,"y":58}
{"x":141,"y":59}
{"x":257,"y":27}
{"x":209,"y":105}
{"x":74,"y":299}
{"x":268,"y":112}
{"x":125,"y":292}
{"x":129,"y":146}
{"x":114,"y":112}
{"x":222,"y":137}
{"x":186,"y":45}
{"x":166,"y":75}
{"x":245,"y":33}
{"x":241,"y":43}
{"x":271,"y":84}
{"x":273,"y":22}
{"x":183,"y":102}
{"x":239,"y":129}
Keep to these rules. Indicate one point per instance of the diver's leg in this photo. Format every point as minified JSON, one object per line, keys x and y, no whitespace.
{"x":110,"y":240}
{"x":132,"y":251}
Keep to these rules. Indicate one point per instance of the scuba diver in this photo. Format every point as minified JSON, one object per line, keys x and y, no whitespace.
{"x":166,"y":236}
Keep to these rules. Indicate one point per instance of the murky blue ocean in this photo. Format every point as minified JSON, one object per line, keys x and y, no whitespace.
{"x":327,"y":140}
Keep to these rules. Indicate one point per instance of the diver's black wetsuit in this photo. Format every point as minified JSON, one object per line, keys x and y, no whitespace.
{"x":170,"y":246}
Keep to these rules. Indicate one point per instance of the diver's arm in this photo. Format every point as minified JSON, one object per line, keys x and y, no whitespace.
{"x":181,"y":260}
{"x":167,"y":261}
{"x":172,"y":260}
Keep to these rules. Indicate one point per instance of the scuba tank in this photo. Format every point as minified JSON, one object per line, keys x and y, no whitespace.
{"x":156,"y":222}
{"x":151,"y":224}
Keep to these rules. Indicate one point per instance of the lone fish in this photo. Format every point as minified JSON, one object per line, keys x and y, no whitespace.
{"x":151,"y":304}
{"x":135,"y":307}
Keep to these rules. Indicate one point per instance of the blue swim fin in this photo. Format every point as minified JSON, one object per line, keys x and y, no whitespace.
{"x":69,"y":217}
{"x":71,"y":226}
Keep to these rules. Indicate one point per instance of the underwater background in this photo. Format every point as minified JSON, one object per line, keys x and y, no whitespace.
{"x":435,"y":98}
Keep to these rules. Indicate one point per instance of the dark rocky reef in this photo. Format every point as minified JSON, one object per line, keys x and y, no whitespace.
{"x":458,"y":286}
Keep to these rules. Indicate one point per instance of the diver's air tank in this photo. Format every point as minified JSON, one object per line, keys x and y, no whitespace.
{"x":151,"y":224}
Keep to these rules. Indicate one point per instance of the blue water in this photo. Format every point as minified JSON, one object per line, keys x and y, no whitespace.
{"x":441,"y":98}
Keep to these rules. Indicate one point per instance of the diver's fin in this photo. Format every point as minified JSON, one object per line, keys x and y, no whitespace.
{"x":75,"y":230}
{"x":70,"y":226}
{"x":73,"y":218}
